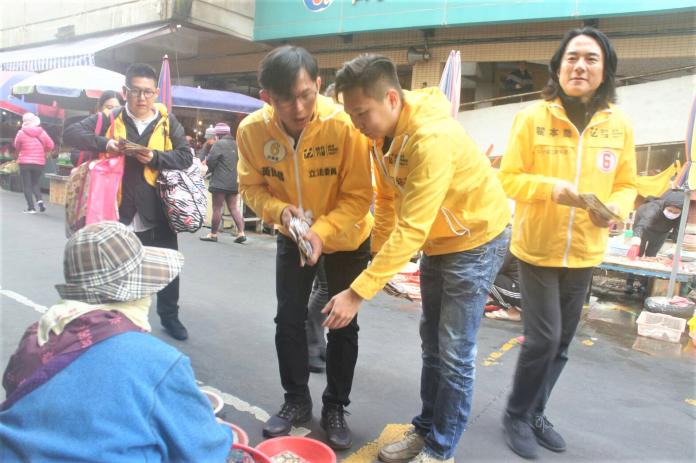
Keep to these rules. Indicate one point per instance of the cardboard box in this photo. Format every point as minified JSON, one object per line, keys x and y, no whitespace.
{"x":57,"y":188}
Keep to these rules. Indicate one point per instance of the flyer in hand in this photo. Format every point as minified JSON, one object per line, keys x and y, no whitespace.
{"x":593,"y":203}
{"x":298,"y":228}
{"x":131,"y":148}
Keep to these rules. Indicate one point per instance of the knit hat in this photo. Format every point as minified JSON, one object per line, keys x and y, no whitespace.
{"x":106,"y":262}
{"x":209,"y":133}
{"x":222,"y":129}
{"x":30,"y":120}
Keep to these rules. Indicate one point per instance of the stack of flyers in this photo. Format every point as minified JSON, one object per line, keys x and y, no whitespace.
{"x":594,"y":204}
{"x":130,"y":148}
{"x":298,"y":228}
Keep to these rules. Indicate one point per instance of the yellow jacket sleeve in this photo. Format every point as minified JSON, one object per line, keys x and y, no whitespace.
{"x":423,"y":193}
{"x":518,"y":160}
{"x":385,"y":211}
{"x":253,"y":186}
{"x":355,"y":191}
{"x":625,"y":185}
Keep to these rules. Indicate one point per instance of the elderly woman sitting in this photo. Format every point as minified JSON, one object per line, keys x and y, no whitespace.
{"x":88,"y":383}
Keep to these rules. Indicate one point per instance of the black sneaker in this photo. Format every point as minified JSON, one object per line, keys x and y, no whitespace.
{"x":175,"y":329}
{"x":519,"y":436}
{"x":333,"y":421}
{"x":290,"y":413}
{"x":42,"y":208}
{"x":546,"y":435}
{"x":29,"y":211}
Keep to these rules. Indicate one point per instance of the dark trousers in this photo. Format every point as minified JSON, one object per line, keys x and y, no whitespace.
{"x":505,"y":291}
{"x":293,"y":287}
{"x":167,"y":298}
{"x":31,"y":182}
{"x":552,"y":300}
{"x":316,"y":341}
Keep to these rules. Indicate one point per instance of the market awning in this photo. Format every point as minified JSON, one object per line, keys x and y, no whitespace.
{"x":71,"y":53}
{"x":218,"y":100}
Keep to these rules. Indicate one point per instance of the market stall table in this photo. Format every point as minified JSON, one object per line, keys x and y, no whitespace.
{"x":654,"y":269}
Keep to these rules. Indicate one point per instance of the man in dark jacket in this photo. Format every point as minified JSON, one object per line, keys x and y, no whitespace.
{"x":146,"y":123}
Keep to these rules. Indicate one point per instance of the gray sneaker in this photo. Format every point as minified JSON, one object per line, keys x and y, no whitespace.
{"x":546,"y":435}
{"x":403,"y":450}
{"x":520,"y":437}
{"x":424,"y":457}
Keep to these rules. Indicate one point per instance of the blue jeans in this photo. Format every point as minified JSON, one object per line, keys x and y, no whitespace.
{"x":454,"y":288}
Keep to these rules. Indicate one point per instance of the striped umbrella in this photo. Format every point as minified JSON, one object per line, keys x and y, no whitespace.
{"x":165,"y":85}
{"x":76,"y":87}
{"x":19,"y":106}
{"x":688,"y":174}
{"x":451,"y":80}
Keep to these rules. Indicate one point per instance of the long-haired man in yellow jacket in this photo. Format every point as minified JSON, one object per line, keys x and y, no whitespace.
{"x":437,"y":192}
{"x":573,"y":142}
{"x":300,"y":156}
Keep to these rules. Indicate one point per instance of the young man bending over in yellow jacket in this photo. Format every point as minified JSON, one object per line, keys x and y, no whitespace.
{"x":436,"y":192}
{"x":300,"y":156}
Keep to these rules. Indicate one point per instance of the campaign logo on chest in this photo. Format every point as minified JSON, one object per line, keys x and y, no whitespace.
{"x":274,"y":151}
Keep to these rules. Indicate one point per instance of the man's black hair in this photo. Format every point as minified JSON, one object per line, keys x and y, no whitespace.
{"x":606,"y":92}
{"x":374,"y":74}
{"x":281,"y":66}
{"x":140,"y":70}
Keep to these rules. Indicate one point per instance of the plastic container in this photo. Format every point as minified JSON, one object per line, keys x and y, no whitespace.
{"x":215,"y":400}
{"x":660,"y":326}
{"x":309,"y":450}
{"x":240,"y":436}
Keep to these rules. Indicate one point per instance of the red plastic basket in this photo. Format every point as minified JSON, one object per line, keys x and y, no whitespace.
{"x":310,"y":450}
{"x":241,"y":437}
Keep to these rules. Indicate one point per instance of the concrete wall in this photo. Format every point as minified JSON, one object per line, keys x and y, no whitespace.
{"x":34,"y":21}
{"x":233,"y":17}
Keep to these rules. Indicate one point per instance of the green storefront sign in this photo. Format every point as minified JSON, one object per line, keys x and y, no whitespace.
{"x":282,"y":19}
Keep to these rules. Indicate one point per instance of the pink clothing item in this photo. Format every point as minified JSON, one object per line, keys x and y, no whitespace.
{"x":32,"y":144}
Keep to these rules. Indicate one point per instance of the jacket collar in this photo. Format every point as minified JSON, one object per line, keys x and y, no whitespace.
{"x":558,"y":111}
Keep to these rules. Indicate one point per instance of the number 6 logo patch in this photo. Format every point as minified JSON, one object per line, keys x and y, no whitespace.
{"x":606,"y":161}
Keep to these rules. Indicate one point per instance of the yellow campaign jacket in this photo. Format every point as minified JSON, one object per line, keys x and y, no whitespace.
{"x":435,"y":190}
{"x":158,"y":141}
{"x":544,"y":147}
{"x":327,"y":174}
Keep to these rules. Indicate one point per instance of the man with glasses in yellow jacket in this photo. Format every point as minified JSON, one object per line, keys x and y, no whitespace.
{"x":436,"y":191}
{"x":300,"y":156}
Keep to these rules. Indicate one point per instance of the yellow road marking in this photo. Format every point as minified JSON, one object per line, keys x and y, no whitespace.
{"x":690,"y":402}
{"x":493,"y":357}
{"x":368,"y":452}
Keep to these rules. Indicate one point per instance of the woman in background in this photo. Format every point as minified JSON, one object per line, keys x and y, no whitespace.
{"x":31,"y":144}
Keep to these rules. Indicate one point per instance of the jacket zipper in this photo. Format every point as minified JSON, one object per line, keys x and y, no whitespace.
{"x":295,"y":163}
{"x":578,"y":169}
{"x":383,"y":167}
